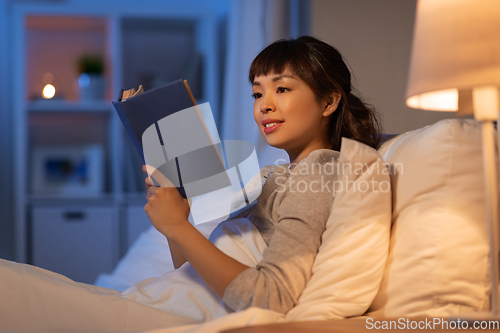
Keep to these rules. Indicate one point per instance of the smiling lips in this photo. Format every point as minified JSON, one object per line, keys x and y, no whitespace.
{"x":270,"y":125}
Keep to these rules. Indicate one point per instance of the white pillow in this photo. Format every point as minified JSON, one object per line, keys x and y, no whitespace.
{"x":350,"y":262}
{"x":438,"y":262}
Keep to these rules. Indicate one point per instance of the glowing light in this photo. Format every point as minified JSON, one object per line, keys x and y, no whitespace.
{"x":48,"y":91}
{"x":441,"y":100}
{"x":486,"y":102}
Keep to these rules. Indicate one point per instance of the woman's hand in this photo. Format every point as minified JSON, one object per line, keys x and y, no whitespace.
{"x":149,"y":183}
{"x":169,"y":212}
{"x":166,"y":208}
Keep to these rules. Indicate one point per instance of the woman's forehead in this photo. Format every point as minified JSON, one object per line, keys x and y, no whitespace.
{"x":287,"y":72}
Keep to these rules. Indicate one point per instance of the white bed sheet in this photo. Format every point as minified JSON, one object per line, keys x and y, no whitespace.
{"x":34,"y":299}
{"x":249,"y":317}
{"x":149,"y":256}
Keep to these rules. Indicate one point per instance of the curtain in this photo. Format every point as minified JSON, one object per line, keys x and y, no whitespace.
{"x":6,"y":144}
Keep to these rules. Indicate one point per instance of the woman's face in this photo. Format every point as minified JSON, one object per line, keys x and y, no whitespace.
{"x":288,"y":114}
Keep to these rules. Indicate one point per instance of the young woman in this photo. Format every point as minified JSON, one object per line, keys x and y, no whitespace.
{"x":304,"y":105}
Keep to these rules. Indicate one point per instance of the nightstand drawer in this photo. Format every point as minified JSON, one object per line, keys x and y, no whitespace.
{"x":78,"y":242}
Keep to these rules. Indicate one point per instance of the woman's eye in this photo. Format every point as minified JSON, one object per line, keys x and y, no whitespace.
{"x":282,"y":89}
{"x":256,"y":95}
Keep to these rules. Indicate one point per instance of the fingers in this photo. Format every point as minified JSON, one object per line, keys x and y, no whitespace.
{"x":148,"y":182}
{"x":158,"y":176}
{"x":167,"y":192}
{"x":152,"y":190}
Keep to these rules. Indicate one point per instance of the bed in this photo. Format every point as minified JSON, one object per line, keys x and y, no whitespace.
{"x":419,"y":249}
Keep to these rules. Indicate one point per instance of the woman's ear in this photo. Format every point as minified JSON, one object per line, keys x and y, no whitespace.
{"x":332,"y":102}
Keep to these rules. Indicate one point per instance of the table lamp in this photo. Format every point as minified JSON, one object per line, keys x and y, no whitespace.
{"x":455,"y":66}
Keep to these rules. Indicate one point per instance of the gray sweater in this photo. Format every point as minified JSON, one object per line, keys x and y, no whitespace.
{"x":291,"y":214}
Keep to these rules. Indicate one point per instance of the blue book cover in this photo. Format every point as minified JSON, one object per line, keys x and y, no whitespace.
{"x":189,"y":156}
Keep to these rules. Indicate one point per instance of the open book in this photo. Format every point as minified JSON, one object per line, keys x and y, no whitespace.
{"x":171,"y":137}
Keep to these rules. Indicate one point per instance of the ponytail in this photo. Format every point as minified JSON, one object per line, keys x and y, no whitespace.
{"x":355,"y":120}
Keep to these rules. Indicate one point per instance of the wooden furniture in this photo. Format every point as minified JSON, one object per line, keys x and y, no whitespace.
{"x":139,"y":45}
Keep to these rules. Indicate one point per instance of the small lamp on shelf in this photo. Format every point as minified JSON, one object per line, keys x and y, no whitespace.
{"x":455,"y":66}
{"x":91,"y":81}
{"x":49,"y":91}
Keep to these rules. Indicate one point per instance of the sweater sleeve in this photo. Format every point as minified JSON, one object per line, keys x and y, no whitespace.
{"x":304,"y":202}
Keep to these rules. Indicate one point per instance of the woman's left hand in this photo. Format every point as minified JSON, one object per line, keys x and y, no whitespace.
{"x":166,"y":208}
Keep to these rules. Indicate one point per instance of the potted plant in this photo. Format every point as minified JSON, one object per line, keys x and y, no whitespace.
{"x":91,"y":80}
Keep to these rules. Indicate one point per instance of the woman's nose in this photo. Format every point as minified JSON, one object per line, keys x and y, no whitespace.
{"x":267,"y":105}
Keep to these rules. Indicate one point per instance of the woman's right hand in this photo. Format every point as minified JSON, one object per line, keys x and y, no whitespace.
{"x":177,"y":256}
{"x":149,"y":183}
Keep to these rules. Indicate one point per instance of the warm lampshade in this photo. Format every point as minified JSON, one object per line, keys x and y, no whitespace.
{"x":455,"y":66}
{"x":456,"y":47}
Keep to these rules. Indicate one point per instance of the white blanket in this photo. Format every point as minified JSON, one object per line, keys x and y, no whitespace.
{"x":36,"y":299}
{"x":149,"y":256}
{"x":251,"y":316}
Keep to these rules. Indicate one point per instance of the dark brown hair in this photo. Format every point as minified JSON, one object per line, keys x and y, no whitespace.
{"x":322,"y":68}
